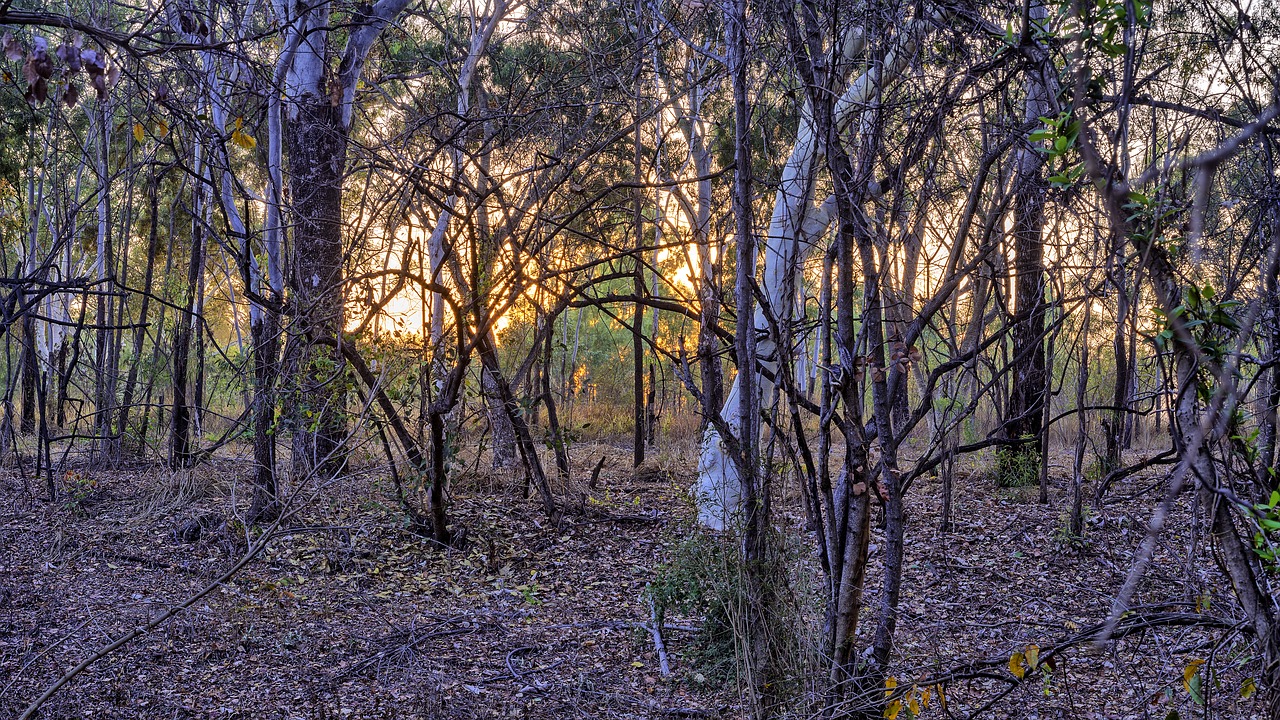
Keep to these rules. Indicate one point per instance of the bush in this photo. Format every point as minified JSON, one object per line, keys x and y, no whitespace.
{"x":1017,"y":467}
{"x":703,"y":579}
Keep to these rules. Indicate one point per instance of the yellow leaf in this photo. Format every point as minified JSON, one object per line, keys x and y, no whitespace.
{"x":1190,"y":671}
{"x":913,"y":705}
{"x":1033,"y":655}
{"x":239,"y":122}
{"x":162,"y":128}
{"x":1015,"y":665}
{"x":1248,"y":689}
{"x":137,"y":132}
{"x":892,"y":709}
{"x":890,"y":684}
{"x":924,"y":697}
{"x":244,"y":140}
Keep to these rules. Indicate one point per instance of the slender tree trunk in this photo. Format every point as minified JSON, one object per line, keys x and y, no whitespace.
{"x":30,"y":371}
{"x":140,"y":332}
{"x":708,"y":293}
{"x":181,"y":446}
{"x":1268,"y":477}
{"x":554,"y":432}
{"x":120,"y":317}
{"x":198,"y":336}
{"x":1082,"y":428}
{"x":68,"y":358}
{"x":157,"y":337}
{"x":105,"y":272}
{"x":651,"y":409}
{"x":752,"y":505}
{"x":1019,"y":464}
{"x":637,"y":316}
{"x":1047,"y":409}
{"x":1114,"y":425}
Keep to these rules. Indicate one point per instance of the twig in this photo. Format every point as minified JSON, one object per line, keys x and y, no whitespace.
{"x":413,"y":644}
{"x":138,"y":632}
{"x":51,"y":647}
{"x":523,"y":649}
{"x":617,"y":625}
{"x":595,"y":474}
{"x":655,"y":629}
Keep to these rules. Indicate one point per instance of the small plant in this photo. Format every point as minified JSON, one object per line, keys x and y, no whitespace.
{"x":80,"y":490}
{"x":703,"y":580}
{"x":529,"y":593}
{"x":1266,"y":517}
{"x":1018,"y":467}
{"x":1066,"y":537}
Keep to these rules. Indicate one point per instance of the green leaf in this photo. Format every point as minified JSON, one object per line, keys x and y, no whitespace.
{"x":1196,"y":687}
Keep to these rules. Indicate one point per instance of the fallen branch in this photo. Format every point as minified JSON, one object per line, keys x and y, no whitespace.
{"x":254,"y":550}
{"x":655,"y":629}
{"x":413,"y":644}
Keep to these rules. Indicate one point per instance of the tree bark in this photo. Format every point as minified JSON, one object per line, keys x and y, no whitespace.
{"x":30,"y":370}
{"x":1019,"y":464}
{"x":505,"y":452}
{"x":180,"y":453}
{"x":316,"y":145}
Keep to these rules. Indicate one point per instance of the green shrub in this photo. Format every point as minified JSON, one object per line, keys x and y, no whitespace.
{"x":1017,"y":467}
{"x":703,"y":580}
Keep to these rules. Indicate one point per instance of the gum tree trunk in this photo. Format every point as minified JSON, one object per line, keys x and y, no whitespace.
{"x":1019,"y":464}
{"x":794,"y":228}
{"x":318,"y":105}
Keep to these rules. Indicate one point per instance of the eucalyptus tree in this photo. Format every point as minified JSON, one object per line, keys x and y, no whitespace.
{"x":1025,"y":415}
{"x":875,"y":116}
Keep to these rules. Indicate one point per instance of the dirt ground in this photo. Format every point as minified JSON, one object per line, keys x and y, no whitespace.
{"x":348,"y":615}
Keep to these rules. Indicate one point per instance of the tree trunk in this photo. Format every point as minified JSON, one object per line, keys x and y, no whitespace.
{"x":528,"y":449}
{"x":709,"y":367}
{"x":751,"y":505}
{"x":1114,"y":425}
{"x":105,"y":272}
{"x":316,"y":143}
{"x":637,"y":315}
{"x":266,"y":367}
{"x":30,"y":370}
{"x":1019,"y":464}
{"x":140,"y":332}
{"x":180,"y":454}
{"x":505,"y":452}
{"x":1267,"y":478}
{"x":1082,"y":429}
{"x":555,"y":433}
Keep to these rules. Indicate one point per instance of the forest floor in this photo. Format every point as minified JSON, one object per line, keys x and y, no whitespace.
{"x":346,"y":615}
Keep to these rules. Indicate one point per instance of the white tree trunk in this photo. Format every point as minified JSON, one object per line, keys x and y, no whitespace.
{"x":794,"y":229}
